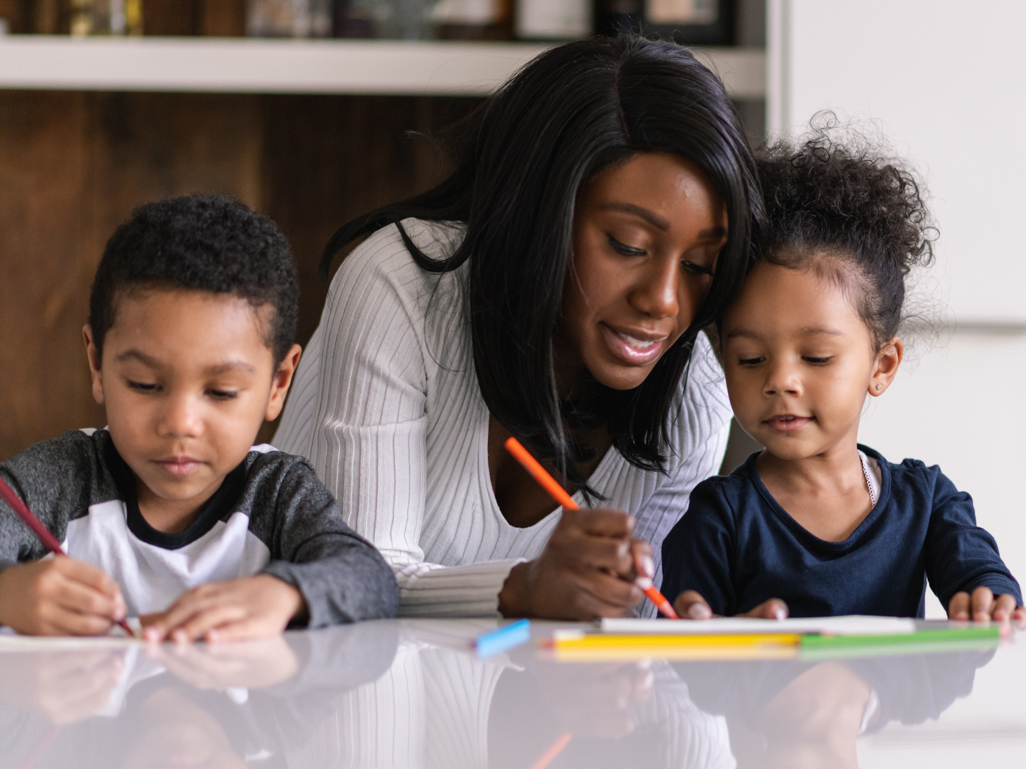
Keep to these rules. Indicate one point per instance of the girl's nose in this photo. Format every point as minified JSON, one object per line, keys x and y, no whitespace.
{"x":782,"y":379}
{"x":656,"y":294}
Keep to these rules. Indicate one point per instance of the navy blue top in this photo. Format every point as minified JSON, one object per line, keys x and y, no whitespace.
{"x":738,"y":547}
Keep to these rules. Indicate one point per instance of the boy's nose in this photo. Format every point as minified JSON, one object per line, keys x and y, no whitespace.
{"x":181,"y":418}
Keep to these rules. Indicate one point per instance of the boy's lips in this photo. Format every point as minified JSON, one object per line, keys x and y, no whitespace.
{"x":179,"y":465}
{"x":787,"y":422}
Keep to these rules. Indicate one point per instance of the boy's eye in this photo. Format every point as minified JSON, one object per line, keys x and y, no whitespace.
{"x":143,"y":387}
{"x":816,"y":361}
{"x":623,"y":248}
{"x":222,"y":395}
{"x":750,"y":361}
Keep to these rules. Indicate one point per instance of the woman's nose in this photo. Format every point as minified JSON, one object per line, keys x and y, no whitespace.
{"x":656,"y":294}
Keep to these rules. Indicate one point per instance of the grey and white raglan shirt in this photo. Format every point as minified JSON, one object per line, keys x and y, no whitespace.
{"x":270,"y":516}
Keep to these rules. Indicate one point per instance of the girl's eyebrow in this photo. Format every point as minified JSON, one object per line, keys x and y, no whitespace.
{"x":814,"y":330}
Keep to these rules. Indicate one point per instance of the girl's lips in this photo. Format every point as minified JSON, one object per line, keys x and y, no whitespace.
{"x":787,"y":422}
{"x":632,"y":350}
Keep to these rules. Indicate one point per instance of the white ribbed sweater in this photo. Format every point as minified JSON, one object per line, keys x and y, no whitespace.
{"x":387,"y":406}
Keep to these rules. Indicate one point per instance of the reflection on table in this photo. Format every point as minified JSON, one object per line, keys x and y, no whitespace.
{"x":413,"y":694}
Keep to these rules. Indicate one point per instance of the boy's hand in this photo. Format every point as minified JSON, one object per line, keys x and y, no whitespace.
{"x":982,"y":606}
{"x":59,"y":596}
{"x":252,"y":607}
{"x":691,"y":605}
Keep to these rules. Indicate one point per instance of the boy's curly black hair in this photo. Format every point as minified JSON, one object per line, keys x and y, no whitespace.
{"x":850,"y":214}
{"x":200,"y":243}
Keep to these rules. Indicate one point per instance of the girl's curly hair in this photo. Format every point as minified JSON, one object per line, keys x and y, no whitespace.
{"x":850,"y":214}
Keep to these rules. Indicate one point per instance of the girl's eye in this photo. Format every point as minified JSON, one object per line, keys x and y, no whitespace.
{"x":698,"y":269}
{"x":623,"y":248}
{"x":816,"y":361}
{"x":223,"y":395}
{"x":750,"y":361}
{"x":143,"y":387}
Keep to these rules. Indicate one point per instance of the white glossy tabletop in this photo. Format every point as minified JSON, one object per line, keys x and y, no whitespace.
{"x":414,"y":694}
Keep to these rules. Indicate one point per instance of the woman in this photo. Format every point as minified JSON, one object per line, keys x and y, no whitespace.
{"x":552,"y":288}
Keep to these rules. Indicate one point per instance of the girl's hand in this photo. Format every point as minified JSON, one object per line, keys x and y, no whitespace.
{"x":586,"y":571}
{"x":252,"y":607}
{"x":59,"y":596}
{"x":982,"y":606}
{"x":691,"y":605}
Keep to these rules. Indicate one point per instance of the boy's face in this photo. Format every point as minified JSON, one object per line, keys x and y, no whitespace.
{"x":187,"y":379}
{"x":799,"y":362}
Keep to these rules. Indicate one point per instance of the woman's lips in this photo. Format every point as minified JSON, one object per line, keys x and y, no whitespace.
{"x":787,"y":422}
{"x":634,"y":350}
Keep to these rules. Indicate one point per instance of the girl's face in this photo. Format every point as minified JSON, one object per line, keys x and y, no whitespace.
{"x":799,"y":362}
{"x":646,"y":238}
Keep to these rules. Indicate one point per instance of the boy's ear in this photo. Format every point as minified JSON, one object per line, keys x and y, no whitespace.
{"x":886,"y":366}
{"x":282,"y":380}
{"x":94,"y":363}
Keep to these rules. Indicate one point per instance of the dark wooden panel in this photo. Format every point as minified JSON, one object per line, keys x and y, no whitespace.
{"x":74,"y":165}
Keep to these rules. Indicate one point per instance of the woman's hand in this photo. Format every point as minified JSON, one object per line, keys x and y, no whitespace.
{"x":982,"y":606}
{"x":586,"y":571}
{"x":691,"y":605}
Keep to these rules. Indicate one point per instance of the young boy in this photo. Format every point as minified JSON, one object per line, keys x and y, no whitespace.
{"x":169,"y":514}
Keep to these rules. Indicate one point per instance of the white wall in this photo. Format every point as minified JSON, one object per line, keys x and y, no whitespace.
{"x":942,"y":80}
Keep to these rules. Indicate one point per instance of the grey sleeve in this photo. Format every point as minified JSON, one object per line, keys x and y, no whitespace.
{"x":342,"y":576}
{"x":57,"y":479}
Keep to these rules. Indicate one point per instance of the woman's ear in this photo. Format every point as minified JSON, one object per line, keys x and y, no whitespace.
{"x":282,"y":380}
{"x":94,"y":363}
{"x":885,"y":367}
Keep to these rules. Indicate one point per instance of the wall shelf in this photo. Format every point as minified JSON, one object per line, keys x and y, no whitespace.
{"x":243,"y":65}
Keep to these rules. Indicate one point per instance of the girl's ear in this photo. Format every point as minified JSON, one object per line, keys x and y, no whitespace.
{"x":282,"y":380}
{"x":885,"y":367}
{"x":94,"y":363}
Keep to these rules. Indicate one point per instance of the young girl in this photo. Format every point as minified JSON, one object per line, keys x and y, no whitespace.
{"x":816,"y":524}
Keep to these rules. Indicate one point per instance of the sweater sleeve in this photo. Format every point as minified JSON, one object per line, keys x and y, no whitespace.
{"x":959,"y":554}
{"x":698,"y":553}
{"x":358,"y":411}
{"x":341,"y":576}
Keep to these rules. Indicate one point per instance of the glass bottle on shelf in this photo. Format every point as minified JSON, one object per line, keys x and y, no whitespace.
{"x":553,"y":19}
{"x":694,"y":22}
{"x":472,"y":19}
{"x":288,"y":18}
{"x":394,"y":19}
{"x":106,"y":17}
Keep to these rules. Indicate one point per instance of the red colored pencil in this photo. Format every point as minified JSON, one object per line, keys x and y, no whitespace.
{"x":558,"y":493}
{"x":42,"y":533}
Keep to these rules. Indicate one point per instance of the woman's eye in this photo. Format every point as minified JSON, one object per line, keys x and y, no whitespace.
{"x":223,"y":395}
{"x":697,"y":269}
{"x":750,"y":361}
{"x":623,"y":248}
{"x":143,"y":387}
{"x":815,"y":361}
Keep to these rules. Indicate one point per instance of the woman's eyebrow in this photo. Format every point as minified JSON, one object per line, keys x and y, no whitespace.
{"x":649,"y":216}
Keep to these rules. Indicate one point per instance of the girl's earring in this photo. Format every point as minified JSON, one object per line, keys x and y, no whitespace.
{"x":879,"y":388}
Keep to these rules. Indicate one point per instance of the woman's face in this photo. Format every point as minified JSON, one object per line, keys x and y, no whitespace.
{"x":646,"y":237}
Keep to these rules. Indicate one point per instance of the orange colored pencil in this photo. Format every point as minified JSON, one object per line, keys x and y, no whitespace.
{"x":558,"y":493}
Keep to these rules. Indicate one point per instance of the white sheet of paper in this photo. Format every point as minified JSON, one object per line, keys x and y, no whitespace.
{"x":849,"y":625}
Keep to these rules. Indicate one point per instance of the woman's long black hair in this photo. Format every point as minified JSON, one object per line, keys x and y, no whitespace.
{"x":567,"y":115}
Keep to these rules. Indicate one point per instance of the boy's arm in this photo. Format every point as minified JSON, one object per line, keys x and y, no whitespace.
{"x":962,"y":560}
{"x":340,"y":575}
